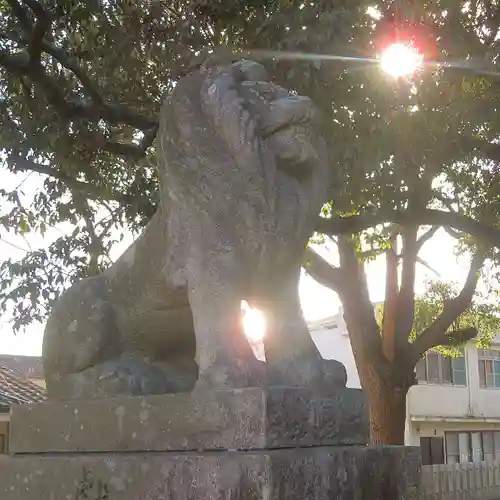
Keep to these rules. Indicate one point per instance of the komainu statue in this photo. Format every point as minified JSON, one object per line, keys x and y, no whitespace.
{"x":243,"y":174}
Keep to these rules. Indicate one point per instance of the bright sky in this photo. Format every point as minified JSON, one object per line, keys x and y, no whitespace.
{"x":317,"y":301}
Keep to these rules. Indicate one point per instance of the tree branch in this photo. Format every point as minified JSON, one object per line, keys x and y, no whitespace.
{"x":63,"y":59}
{"x":20,"y":64}
{"x":406,"y":297}
{"x":71,"y":63}
{"x":436,"y":333}
{"x":95,"y":247}
{"x":35,"y":47}
{"x":92,"y":191}
{"x":429,"y":217}
{"x":95,"y":109}
{"x":390,"y":302}
{"x":426,"y":237}
{"x":358,"y":309}
{"x":452,"y":232}
{"x":426,"y":264}
{"x":322,"y":271}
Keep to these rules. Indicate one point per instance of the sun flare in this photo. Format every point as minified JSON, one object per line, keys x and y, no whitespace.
{"x":399,"y":59}
{"x":254,"y":323}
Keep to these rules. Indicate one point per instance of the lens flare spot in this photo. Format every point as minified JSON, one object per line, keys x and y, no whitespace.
{"x":254,"y":323}
{"x":399,"y":59}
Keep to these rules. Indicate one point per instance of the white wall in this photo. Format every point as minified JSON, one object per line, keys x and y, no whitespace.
{"x":333,"y":344}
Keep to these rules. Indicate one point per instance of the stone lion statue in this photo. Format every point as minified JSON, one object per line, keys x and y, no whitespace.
{"x":243,"y":174}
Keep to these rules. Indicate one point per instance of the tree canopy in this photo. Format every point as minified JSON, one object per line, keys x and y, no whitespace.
{"x":81,"y":85}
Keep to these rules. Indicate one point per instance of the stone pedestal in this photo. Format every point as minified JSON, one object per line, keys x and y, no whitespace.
{"x":249,"y":444}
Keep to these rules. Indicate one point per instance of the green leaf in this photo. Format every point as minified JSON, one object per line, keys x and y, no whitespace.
{"x":23,"y":226}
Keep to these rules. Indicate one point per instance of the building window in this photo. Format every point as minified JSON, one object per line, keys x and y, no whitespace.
{"x":435,"y":368}
{"x":483,"y":446}
{"x":489,"y":368}
{"x":452,"y":448}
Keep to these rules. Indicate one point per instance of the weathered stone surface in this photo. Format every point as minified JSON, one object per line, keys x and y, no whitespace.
{"x":329,"y":473}
{"x":243,"y":419}
{"x":243,"y":173}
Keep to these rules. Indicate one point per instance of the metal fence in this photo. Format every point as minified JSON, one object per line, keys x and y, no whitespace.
{"x":463,"y":481}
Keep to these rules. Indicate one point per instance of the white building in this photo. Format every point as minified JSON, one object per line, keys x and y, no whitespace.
{"x":454,"y":411}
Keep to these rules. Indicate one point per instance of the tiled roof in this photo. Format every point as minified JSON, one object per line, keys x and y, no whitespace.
{"x":23,"y":366}
{"x":14,"y":390}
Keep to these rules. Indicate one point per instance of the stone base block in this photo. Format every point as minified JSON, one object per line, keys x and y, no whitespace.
{"x":318,"y":473}
{"x":244,"y":419}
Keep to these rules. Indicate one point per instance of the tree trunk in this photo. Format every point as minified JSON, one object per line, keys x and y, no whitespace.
{"x":385,"y":374}
{"x":385,"y":385}
{"x":387,"y":403}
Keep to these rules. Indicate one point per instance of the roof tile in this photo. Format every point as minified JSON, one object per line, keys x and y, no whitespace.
{"x":14,"y":390}
{"x":23,"y":366}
